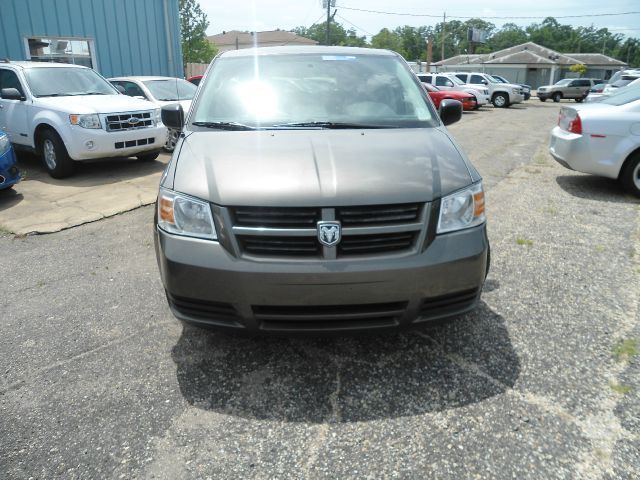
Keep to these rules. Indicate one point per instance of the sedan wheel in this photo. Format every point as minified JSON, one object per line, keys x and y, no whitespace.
{"x":630,"y":176}
{"x":172,"y":139}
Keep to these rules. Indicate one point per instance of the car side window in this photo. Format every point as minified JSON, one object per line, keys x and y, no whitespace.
{"x":443,"y":82}
{"x":132,"y":89}
{"x":9,"y":79}
{"x":462,"y":77}
{"x":477,"y":79}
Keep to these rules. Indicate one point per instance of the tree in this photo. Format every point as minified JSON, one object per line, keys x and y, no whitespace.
{"x":388,"y":40}
{"x":337,"y":34}
{"x":196,"y":47}
{"x":578,"y":68}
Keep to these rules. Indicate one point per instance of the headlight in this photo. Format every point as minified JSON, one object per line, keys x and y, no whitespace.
{"x":5,"y":145}
{"x":157,"y":116}
{"x":85,"y":121}
{"x":462,"y":209}
{"x":184,"y":215}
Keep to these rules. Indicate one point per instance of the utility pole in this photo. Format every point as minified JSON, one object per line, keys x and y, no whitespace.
{"x":444,"y":26}
{"x":328,"y":19}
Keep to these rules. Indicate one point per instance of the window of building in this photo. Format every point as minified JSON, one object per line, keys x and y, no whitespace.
{"x":77,"y":51}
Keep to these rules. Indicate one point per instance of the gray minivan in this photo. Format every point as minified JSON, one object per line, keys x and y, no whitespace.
{"x":316,"y":189}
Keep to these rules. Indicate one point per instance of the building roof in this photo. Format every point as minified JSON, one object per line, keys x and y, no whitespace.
{"x":252,"y":39}
{"x":530,"y":53}
{"x":596,"y":59}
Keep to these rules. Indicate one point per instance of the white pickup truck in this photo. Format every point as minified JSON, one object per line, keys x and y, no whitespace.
{"x":502,"y":94}
{"x":68,"y":113}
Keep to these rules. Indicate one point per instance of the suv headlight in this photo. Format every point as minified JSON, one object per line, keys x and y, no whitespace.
{"x":5,"y":144}
{"x":184,"y":215}
{"x":462,"y":209}
{"x":85,"y":121}
{"x":157,"y":116}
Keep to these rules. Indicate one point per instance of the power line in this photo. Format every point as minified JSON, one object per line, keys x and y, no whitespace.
{"x":487,"y":17}
{"x":354,"y":26}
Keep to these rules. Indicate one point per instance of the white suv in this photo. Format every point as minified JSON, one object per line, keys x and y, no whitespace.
{"x":444,"y":82}
{"x":502,"y":94}
{"x":70,"y":113}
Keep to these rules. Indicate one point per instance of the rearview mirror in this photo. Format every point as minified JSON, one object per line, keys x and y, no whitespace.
{"x":450,"y":111}
{"x":12,"y":94}
{"x":173,"y":116}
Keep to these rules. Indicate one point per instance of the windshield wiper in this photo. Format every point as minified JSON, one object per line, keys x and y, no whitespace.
{"x":93,"y":93}
{"x":330,"y":125}
{"x":224,"y":125}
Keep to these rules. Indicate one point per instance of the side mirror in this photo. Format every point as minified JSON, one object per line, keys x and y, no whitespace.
{"x":12,"y":94}
{"x":485,"y":82}
{"x":450,"y":111}
{"x":173,"y":116}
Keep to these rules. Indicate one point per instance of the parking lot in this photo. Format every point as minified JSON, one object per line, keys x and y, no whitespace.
{"x":98,"y":380}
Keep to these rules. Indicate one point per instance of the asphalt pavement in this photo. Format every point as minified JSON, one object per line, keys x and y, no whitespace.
{"x":98,"y":380}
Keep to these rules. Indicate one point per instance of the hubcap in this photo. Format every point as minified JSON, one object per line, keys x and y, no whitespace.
{"x":636,"y":176}
{"x":49,"y":154}
{"x":172,"y":139}
{"x":500,"y":100}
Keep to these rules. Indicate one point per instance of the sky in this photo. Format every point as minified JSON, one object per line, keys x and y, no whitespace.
{"x":261,"y":15}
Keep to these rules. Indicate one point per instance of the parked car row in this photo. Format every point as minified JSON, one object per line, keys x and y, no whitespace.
{"x":69,"y":113}
{"x":482,"y":87}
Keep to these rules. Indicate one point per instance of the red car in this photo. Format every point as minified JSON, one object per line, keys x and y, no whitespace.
{"x":195,"y":79}
{"x":468,"y":101}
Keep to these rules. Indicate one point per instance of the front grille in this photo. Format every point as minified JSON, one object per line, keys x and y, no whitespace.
{"x":129,"y":121}
{"x":135,"y":143}
{"x":292,"y":232}
{"x":382,"y":243}
{"x":328,"y":317}
{"x":279,"y":246}
{"x":275,"y":217}
{"x":217,"y":313}
{"x":378,"y":215}
{"x":445,"y":305}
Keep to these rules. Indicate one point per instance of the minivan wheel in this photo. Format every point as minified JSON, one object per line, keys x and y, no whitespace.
{"x":630,"y":175}
{"x":54,"y":155}
{"x":556,"y":97}
{"x":500,"y":100}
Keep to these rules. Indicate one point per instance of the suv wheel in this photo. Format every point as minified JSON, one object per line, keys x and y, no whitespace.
{"x":55,"y":156}
{"x":148,"y":157}
{"x":630,"y":175}
{"x":172,"y":139}
{"x":500,"y":100}
{"x":556,"y":97}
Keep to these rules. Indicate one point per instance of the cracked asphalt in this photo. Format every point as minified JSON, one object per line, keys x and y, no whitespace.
{"x":98,"y":380}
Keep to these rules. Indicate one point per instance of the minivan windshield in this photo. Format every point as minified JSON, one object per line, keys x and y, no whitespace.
{"x":63,"y":82}
{"x":312,"y":91}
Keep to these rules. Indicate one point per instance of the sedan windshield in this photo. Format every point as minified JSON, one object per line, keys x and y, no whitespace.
{"x":312,"y":91}
{"x":171,"y":89}
{"x":62,"y":82}
{"x":623,"y":96}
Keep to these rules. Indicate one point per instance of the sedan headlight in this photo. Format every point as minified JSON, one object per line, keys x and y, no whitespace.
{"x":5,"y":145}
{"x":462,"y":209}
{"x":184,"y":215}
{"x":85,"y":121}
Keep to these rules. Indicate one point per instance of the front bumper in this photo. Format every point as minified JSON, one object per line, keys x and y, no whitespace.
{"x":9,"y":173}
{"x":544,"y":95}
{"x":207,"y":285}
{"x":126,"y":143}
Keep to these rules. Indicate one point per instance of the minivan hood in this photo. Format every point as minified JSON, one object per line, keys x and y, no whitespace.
{"x":320,"y":167}
{"x":85,"y":104}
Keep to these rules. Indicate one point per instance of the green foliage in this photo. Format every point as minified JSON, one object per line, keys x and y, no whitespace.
{"x":196,"y":48}
{"x":389,"y":40}
{"x":578,"y":68}
{"x":338,"y":35}
{"x":625,"y":350}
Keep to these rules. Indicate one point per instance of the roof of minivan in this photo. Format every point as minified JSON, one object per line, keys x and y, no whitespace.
{"x":25,"y":64}
{"x":250,"y":52}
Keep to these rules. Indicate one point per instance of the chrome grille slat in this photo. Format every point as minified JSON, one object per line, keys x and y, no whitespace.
{"x":120,"y":122}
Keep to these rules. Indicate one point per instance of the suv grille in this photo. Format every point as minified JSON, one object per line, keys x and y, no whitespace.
{"x":292,"y":232}
{"x":129,"y":121}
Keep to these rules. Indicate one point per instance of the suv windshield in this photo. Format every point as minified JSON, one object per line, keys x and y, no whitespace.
{"x":62,"y":82}
{"x":309,"y":90}
{"x":171,"y":89}
{"x":455,"y":80}
{"x":564,"y":81}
